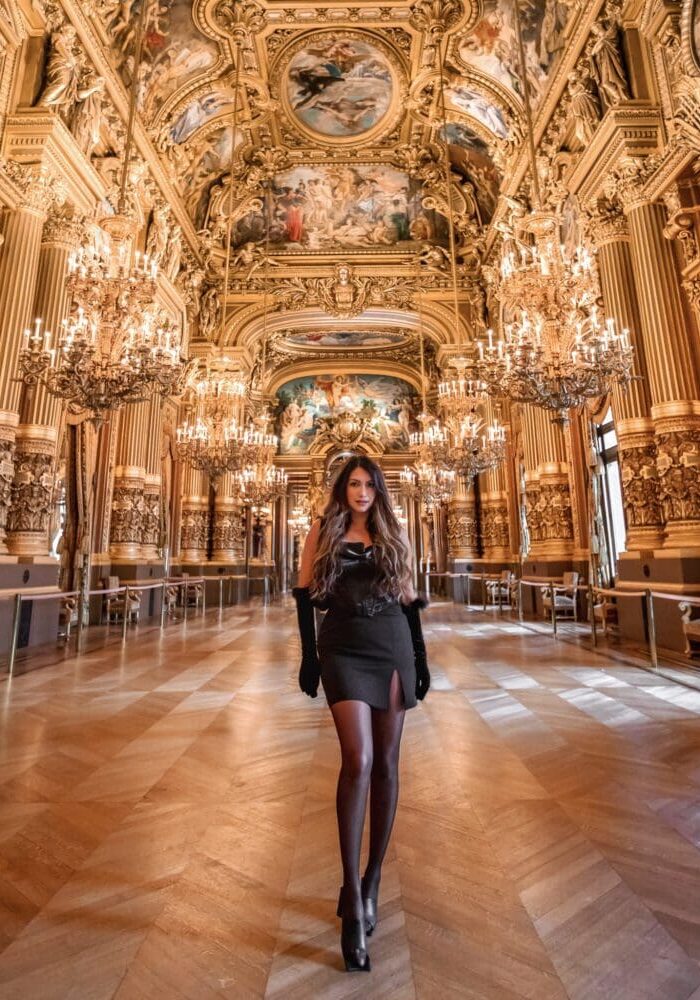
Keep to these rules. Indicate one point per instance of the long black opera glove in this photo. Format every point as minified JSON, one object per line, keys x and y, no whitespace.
{"x":310,"y":670}
{"x":412,"y":612}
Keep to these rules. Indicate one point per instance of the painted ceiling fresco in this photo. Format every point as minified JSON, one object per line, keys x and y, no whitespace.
{"x":339,"y":87}
{"x":305,"y":403}
{"x":175,"y":51}
{"x":343,"y":339}
{"x":320,"y":207}
{"x":464,"y":98}
{"x":491,"y":46}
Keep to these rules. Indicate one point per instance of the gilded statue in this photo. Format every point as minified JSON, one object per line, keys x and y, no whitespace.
{"x":253,"y":257}
{"x":209,"y":312}
{"x":585,"y":109}
{"x":60,"y":90}
{"x":158,"y":234}
{"x":343,"y":294}
{"x":607,"y":67}
{"x":87,"y":119}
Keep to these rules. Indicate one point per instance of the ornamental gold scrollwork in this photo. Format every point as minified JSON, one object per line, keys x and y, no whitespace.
{"x":678,"y":463}
{"x":640,"y":484}
{"x":548,"y":512}
{"x":128,"y":514}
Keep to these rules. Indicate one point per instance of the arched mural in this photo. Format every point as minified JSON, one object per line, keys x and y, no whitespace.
{"x":306,"y":404}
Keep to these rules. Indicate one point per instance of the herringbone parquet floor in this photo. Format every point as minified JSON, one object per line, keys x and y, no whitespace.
{"x":167,"y":824}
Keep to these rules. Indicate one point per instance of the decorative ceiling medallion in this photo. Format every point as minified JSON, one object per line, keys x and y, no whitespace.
{"x":338,"y":87}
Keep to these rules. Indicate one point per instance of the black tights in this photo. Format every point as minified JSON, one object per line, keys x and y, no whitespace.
{"x":369,"y":744}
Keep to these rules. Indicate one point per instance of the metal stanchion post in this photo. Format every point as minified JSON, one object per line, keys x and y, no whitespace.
{"x":554,"y":611}
{"x":500,"y":597}
{"x":125,"y":614}
{"x":520,"y":599}
{"x":591,"y":604}
{"x":221,"y":594}
{"x":163,"y":604}
{"x":651,"y":625}
{"x":204,"y":597}
{"x":184,"y":602}
{"x":15,"y":634}
{"x":483,"y":591}
{"x":81,"y":626}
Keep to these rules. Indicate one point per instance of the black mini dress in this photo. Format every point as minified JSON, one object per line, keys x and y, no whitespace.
{"x":363,"y":638}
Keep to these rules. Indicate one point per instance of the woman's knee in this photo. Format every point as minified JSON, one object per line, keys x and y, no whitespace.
{"x":357,"y":763}
{"x":386,"y":765}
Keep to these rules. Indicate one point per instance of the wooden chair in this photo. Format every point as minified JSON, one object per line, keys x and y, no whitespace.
{"x":564,"y":596}
{"x":500,"y":591}
{"x":605,"y":613}
{"x":115,"y":606}
{"x":67,"y":617}
{"x":691,"y":628}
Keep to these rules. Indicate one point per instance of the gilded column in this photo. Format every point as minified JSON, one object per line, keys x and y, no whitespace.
{"x":631,"y":407}
{"x":19,"y":262}
{"x":194,"y":519}
{"x":547,"y":490}
{"x":228,"y":532}
{"x":674,"y":381}
{"x":462,"y":529}
{"x":40,"y":412}
{"x":495,"y":531}
{"x":152,"y":532}
{"x":495,"y":528}
{"x":129,"y":510}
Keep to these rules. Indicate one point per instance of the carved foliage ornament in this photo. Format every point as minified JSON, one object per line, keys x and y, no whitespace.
{"x":494,"y":526}
{"x":640,"y":486}
{"x":194,"y":530}
{"x":129,"y":511}
{"x":678,"y":462}
{"x":461,"y":528}
{"x":548,"y":511}
{"x":32,"y":491}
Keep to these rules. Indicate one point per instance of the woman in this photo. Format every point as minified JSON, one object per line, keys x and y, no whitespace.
{"x":372,"y":663}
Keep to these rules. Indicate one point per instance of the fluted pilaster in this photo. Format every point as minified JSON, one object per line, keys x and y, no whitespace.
{"x":40,"y":412}
{"x":129,"y":508}
{"x":18,"y":273}
{"x":462,"y":527}
{"x":673,"y":375}
{"x":547,"y":488}
{"x":228,"y":528}
{"x":632,"y":407}
{"x":194,"y":518}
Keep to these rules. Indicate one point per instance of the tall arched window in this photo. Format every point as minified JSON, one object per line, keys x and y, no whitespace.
{"x":611,"y":509}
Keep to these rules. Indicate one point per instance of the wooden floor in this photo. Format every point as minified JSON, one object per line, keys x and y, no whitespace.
{"x":167,"y":824}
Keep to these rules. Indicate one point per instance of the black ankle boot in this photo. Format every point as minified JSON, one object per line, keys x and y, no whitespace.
{"x":369,"y":904}
{"x":353,"y":942}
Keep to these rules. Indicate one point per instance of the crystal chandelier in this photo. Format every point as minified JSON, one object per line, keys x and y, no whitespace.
{"x":556,"y":351}
{"x":113,"y":349}
{"x":211,"y":438}
{"x":428,"y":483}
{"x":299,"y":519}
{"x":473,"y":445}
{"x":260,"y":485}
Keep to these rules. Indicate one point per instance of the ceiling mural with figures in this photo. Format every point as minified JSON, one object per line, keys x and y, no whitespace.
{"x":344,"y":339}
{"x":491,"y":46}
{"x":345,"y":207}
{"x":339,"y":86}
{"x":308,"y":405}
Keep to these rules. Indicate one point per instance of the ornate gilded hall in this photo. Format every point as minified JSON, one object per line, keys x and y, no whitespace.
{"x":239,"y":243}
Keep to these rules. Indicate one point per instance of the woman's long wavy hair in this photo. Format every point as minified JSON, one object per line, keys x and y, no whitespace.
{"x":392,"y":556}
